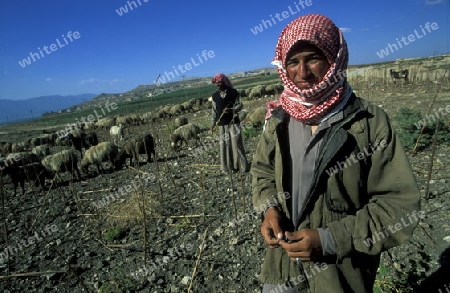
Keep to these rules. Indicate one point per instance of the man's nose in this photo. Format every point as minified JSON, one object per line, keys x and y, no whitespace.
{"x":303,"y":70}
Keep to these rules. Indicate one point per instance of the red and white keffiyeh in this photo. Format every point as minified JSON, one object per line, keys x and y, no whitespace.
{"x":223,"y":78}
{"x":310,"y":106}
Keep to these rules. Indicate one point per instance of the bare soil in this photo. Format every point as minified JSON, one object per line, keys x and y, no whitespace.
{"x":188,"y":227}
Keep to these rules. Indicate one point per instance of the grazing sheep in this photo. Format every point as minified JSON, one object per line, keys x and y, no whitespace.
{"x":35,"y":141}
{"x":198,"y":101}
{"x":16,"y":147}
{"x":257,"y":91}
{"x":256,"y":117}
{"x":2,"y":145}
{"x":279,"y":88}
{"x":83,"y":141}
{"x":124,"y":120}
{"x":7,"y":148}
{"x":176,"y":110}
{"x":116,"y":132}
{"x":90,"y":125}
{"x":23,"y":167}
{"x":242,"y":93}
{"x":20,"y":146}
{"x":63,"y":141}
{"x":78,"y":133}
{"x":242,"y":114}
{"x":105,"y":123}
{"x":147,"y":117}
{"x":44,"y":139}
{"x":271,"y":89}
{"x":135,"y":119}
{"x":103,"y":152}
{"x":166,"y":109}
{"x":142,"y":145}
{"x":184,"y":134}
{"x":187,"y":106}
{"x":63,"y":161}
{"x":180,"y":121}
{"x":41,"y":150}
{"x":159,"y":114}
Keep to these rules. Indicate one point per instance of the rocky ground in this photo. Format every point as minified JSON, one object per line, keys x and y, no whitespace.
{"x":177,"y":225}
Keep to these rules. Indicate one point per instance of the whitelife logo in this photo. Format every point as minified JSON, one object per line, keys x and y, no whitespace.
{"x":395,"y":228}
{"x":11,"y":250}
{"x":265,"y":24}
{"x":354,"y":158}
{"x":411,"y":38}
{"x":90,"y":118}
{"x":124,"y":9}
{"x":53,"y":47}
{"x":423,"y":122}
{"x":186,"y":67}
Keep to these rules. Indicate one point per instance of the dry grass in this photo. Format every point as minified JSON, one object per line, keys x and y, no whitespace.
{"x":125,"y":213}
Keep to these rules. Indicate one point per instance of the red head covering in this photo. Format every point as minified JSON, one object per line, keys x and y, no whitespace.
{"x":311,"y":105}
{"x":223,"y":78}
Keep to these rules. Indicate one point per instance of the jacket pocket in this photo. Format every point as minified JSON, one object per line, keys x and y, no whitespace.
{"x":337,"y":195}
{"x":275,"y":269}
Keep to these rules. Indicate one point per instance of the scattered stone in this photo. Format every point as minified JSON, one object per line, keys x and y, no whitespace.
{"x":186,"y":280}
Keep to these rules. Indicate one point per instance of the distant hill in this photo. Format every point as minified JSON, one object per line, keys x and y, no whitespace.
{"x":21,"y":110}
{"x":432,"y":68}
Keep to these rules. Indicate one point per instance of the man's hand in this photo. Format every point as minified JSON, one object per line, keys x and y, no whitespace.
{"x":304,"y":244}
{"x":271,"y":227}
{"x":226,"y":110}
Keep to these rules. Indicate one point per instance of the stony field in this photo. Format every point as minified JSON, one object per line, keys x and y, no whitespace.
{"x":179,"y":225}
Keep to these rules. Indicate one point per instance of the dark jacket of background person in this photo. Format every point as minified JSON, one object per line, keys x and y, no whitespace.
{"x":231,"y":101}
{"x":355,"y":203}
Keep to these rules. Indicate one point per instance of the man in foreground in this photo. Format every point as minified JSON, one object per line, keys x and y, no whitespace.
{"x":330,"y":174}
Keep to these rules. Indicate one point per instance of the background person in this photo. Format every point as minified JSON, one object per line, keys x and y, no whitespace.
{"x":318,"y":122}
{"x":226,"y":104}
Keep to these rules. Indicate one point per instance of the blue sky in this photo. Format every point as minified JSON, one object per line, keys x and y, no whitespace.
{"x":114,"y":53}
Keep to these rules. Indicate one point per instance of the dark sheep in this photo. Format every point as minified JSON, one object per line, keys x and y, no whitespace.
{"x":180,"y":121}
{"x":63,"y":141}
{"x":142,"y":145}
{"x":83,"y":141}
{"x":43,"y":139}
{"x":23,"y":167}
{"x":7,"y":148}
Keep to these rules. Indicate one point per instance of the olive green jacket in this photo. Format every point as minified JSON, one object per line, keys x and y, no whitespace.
{"x":360,"y":202}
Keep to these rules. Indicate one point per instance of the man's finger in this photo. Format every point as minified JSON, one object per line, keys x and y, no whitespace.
{"x":292,"y":236}
{"x":269,"y":238}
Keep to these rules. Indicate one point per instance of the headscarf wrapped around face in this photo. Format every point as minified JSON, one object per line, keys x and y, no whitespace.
{"x":223,"y":78}
{"x":310,"y":106}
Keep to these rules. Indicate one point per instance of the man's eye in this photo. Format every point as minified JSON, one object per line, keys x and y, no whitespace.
{"x":292,"y":62}
{"x":315,"y":58}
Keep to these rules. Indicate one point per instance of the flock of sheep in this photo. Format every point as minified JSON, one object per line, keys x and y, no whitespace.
{"x":80,"y":151}
{"x":50,"y":154}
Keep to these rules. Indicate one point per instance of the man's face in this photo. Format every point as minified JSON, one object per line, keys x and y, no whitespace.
{"x":306,"y":65}
{"x":220,"y":85}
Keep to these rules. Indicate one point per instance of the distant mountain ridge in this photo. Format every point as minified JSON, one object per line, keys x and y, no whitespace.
{"x":21,"y":110}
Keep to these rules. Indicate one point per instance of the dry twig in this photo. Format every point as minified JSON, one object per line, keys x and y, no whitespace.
{"x":198,"y":260}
